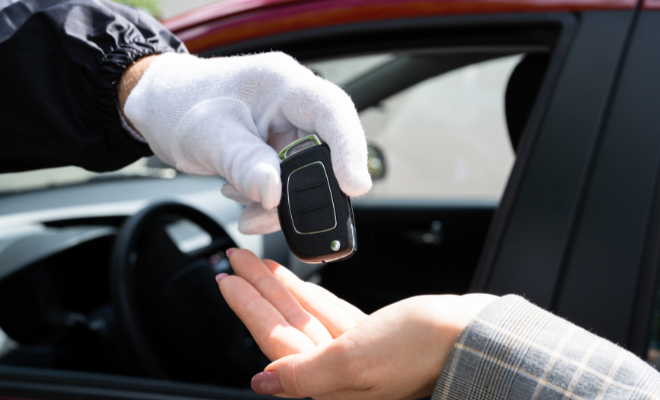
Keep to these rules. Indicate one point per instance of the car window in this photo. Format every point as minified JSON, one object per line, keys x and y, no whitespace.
{"x":342,"y":71}
{"x":442,"y":138}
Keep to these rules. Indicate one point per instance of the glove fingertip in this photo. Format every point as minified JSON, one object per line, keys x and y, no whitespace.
{"x":271,"y":192}
{"x":358,"y":187}
{"x":354,"y":181}
{"x":255,"y":220}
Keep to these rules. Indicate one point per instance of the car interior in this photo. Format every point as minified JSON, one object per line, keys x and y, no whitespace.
{"x":135,"y":295}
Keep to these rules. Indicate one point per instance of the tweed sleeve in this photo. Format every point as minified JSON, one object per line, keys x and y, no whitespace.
{"x":516,"y":350}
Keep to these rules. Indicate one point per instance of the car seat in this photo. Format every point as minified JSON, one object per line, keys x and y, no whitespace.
{"x":521,"y":91}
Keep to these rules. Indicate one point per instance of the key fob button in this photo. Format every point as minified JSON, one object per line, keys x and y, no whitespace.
{"x":310,"y":199}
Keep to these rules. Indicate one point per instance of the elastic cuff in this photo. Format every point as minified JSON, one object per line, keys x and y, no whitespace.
{"x":104,"y":81}
{"x":107,"y":121}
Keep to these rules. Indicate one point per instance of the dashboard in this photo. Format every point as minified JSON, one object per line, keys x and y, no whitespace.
{"x":55,"y":250}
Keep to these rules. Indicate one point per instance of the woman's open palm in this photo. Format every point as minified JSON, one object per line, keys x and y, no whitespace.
{"x":323,"y":347}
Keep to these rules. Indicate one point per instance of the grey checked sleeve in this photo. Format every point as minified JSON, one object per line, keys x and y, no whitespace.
{"x":516,"y":350}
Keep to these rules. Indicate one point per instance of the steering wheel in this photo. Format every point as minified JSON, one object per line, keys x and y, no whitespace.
{"x":171,"y":321}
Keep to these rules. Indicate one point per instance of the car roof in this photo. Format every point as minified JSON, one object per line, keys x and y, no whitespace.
{"x":220,"y":9}
{"x":233,"y":21}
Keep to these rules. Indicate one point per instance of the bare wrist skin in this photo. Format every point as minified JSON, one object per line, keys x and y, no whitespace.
{"x":129,"y":80}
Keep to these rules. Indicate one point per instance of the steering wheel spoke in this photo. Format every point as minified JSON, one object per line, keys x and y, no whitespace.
{"x":170,"y":316}
{"x":217,"y":246}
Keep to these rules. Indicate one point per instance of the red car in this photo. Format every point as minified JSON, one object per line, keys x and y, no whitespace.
{"x":515,"y":147}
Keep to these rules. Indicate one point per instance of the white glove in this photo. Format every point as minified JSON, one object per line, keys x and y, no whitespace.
{"x":231,"y":116}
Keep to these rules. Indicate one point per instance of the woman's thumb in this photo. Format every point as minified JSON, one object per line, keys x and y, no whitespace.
{"x":310,"y":374}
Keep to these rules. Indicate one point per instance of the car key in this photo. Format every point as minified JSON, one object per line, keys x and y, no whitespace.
{"x":315,"y":215}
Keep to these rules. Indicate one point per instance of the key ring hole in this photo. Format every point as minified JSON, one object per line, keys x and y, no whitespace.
{"x":299,"y":145}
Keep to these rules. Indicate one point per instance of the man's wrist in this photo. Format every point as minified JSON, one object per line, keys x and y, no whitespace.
{"x":128,"y":81}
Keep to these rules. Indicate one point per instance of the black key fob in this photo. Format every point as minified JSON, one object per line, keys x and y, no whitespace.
{"x":315,"y":215}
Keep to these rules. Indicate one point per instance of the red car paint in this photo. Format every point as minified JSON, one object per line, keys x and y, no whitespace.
{"x":651,"y":5}
{"x":238,"y":20}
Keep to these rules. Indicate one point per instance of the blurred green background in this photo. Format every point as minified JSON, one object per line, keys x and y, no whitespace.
{"x":150,"y":6}
{"x":164,"y":9}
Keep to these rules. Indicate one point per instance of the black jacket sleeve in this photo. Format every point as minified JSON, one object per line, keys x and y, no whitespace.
{"x":60,"y":62}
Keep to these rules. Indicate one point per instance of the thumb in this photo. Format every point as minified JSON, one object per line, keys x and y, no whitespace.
{"x":323,"y":370}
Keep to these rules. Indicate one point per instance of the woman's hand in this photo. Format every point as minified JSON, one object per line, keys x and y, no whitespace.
{"x":325,"y":348}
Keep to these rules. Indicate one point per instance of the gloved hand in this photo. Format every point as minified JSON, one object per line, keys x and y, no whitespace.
{"x":231,"y":116}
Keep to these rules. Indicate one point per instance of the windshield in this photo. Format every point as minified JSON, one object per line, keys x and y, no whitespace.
{"x":342,"y":71}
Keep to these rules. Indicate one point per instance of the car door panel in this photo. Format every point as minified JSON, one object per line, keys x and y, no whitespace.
{"x":525,"y":250}
{"x":409,"y":248}
{"x":611,"y":222}
{"x":33,"y":383}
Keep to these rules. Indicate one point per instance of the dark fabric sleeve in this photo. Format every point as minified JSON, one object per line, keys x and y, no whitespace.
{"x":60,"y":62}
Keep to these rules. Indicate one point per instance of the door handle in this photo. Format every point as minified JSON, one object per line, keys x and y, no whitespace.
{"x":429,"y":237}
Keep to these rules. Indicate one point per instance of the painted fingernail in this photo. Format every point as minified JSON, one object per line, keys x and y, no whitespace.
{"x":230,"y":251}
{"x":266,"y":383}
{"x":220,"y":277}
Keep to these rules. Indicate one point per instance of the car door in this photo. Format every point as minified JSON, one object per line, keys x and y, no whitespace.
{"x":581,"y":237}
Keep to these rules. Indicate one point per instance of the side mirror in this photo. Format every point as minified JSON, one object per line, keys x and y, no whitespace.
{"x":375,"y":162}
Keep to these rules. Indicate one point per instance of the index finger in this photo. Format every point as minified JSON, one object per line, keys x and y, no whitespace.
{"x":332,"y":316}
{"x":291,"y":282}
{"x":249,"y":267}
{"x":317,"y":105}
{"x":274,"y":335}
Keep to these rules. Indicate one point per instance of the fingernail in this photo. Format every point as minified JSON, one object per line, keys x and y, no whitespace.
{"x":230,"y":251}
{"x":220,"y":277}
{"x":266,"y":383}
